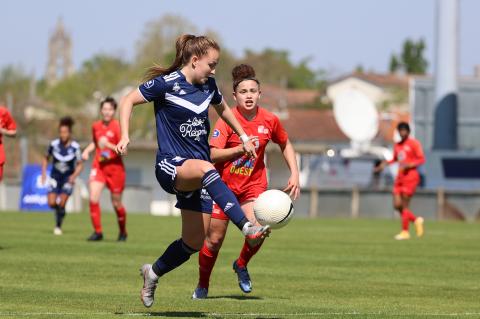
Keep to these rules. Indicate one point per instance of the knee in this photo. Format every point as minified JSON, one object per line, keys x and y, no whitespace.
{"x":398,"y":206}
{"x":206,"y":167}
{"x":214,"y":243}
{"x":52,"y":203}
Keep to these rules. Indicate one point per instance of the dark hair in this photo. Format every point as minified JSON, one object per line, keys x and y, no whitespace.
{"x":186,"y":46}
{"x":403,"y":126}
{"x":242,"y":73}
{"x":66,"y":121}
{"x":110,"y":100}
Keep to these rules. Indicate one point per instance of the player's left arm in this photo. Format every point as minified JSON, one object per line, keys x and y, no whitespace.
{"x":293,"y":185}
{"x":419,"y":156}
{"x":9,"y":128}
{"x":78,"y":167}
{"x":280,"y":137}
{"x":226,"y":114}
{"x":76,"y":172}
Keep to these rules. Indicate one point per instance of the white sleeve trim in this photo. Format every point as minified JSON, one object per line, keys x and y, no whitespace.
{"x":142,"y":95}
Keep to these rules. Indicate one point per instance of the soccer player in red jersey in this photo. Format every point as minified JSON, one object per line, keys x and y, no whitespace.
{"x":409,"y":155}
{"x":8,"y":127}
{"x":245,"y":176}
{"x":107,"y":169}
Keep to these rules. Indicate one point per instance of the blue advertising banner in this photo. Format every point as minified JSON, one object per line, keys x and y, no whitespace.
{"x":34,"y":194}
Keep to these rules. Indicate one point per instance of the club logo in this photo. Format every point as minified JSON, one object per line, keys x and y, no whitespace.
{"x":216,"y":133}
{"x":148,"y":84}
{"x":176,"y":87}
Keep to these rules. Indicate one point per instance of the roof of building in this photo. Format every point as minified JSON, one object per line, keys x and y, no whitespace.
{"x":381,"y":80}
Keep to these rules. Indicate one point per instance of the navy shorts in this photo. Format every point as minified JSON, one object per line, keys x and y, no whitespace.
{"x":60,"y":185}
{"x":166,"y":172}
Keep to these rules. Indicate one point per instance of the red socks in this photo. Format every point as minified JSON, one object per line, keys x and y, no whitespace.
{"x":206,"y":261}
{"x":95,"y":216}
{"x":407,"y":217}
{"x":247,"y":253}
{"x":122,"y":219}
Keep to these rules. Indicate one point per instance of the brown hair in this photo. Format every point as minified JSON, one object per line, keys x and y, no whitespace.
{"x":186,"y":46}
{"x":110,"y":100}
{"x":241,"y":73}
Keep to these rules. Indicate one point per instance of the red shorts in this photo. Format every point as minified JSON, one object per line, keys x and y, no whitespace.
{"x":405,"y":187}
{"x":251,"y":194}
{"x":112,"y":175}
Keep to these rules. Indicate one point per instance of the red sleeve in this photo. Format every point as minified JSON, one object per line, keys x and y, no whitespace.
{"x":420,"y":157}
{"x":10,"y":122}
{"x":220,"y":134}
{"x":279,"y":135}
{"x":94,"y":138}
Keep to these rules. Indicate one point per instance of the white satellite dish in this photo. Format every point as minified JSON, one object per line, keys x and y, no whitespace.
{"x":358,"y":119}
{"x":356,"y":116}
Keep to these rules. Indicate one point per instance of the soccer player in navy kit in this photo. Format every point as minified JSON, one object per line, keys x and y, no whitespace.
{"x":66,"y":166}
{"x":182,"y":94}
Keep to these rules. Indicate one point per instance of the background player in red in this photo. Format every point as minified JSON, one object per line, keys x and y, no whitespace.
{"x":409,"y":155}
{"x":245,"y":176}
{"x":107,"y":169}
{"x":8,"y":127}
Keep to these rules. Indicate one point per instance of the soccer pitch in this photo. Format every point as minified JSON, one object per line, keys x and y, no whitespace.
{"x":323,"y":268}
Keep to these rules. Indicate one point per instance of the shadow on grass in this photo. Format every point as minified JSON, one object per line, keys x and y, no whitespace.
{"x":171,"y":314}
{"x":237,"y":297}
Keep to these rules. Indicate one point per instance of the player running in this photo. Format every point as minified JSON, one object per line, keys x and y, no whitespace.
{"x":246,"y":177}
{"x":107,"y":169}
{"x":182,"y":94}
{"x":8,"y":127}
{"x":409,"y":155}
{"x":67,"y":165}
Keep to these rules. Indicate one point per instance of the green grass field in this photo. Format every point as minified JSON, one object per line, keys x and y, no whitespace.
{"x":325,"y":268}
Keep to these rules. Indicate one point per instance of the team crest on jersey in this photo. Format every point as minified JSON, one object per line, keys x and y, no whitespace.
{"x":148,"y":84}
{"x":176,"y":87}
{"x":216,"y":133}
{"x":109,"y":134}
{"x":262,"y":129}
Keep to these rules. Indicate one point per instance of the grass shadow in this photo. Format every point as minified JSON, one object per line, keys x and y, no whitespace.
{"x":170,"y":314}
{"x":236,"y":297}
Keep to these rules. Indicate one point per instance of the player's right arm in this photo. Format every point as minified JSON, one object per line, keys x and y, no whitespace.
{"x":86,"y":152}
{"x":45,"y":161}
{"x":147,"y":92}
{"x":218,"y":141}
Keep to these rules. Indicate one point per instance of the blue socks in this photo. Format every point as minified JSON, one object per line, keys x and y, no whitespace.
{"x":224,"y":198}
{"x":176,"y":254}
{"x":59,"y":215}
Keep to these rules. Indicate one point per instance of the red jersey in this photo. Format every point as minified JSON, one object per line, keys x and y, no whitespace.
{"x":112,"y":132}
{"x":241,"y":173}
{"x":408,"y":152}
{"x":6,"y":122}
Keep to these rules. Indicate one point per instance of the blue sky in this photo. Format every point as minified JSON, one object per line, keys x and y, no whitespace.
{"x":338,"y":35}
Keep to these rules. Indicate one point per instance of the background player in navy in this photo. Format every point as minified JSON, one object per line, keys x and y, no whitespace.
{"x":182,"y":94}
{"x":66,"y":166}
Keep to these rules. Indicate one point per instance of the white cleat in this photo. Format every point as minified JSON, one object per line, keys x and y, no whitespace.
{"x":200,"y":293}
{"x":57,"y":231}
{"x":149,"y":285}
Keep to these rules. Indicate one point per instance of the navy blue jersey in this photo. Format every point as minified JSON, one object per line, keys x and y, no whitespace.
{"x":181,"y":114}
{"x":64,"y":158}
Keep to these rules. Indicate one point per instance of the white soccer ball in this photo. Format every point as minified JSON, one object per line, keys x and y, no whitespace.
{"x":274,"y":208}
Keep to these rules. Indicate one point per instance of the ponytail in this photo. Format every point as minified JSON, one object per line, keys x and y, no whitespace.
{"x":186,"y":46}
